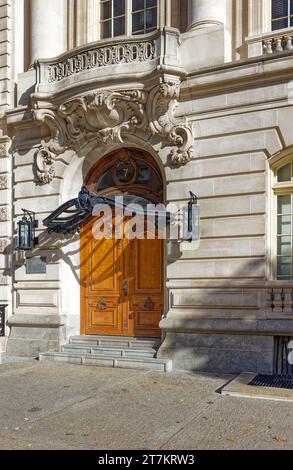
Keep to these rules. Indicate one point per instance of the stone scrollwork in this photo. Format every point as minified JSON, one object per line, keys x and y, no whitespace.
{"x":104,"y":116}
{"x":110,"y":116}
{"x":45,"y":161}
{"x":163,"y":102}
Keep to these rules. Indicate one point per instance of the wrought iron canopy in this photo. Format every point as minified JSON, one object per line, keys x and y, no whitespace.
{"x":71,"y":215}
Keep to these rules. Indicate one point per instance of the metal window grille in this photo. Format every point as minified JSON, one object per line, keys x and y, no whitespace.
{"x":281,"y":353}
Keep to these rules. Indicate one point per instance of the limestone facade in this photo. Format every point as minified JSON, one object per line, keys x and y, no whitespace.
{"x":211,"y":99}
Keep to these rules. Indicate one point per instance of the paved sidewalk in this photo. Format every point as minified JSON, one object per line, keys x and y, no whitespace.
{"x":49,"y":406}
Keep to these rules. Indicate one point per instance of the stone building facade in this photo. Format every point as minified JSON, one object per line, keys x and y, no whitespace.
{"x":205,"y":89}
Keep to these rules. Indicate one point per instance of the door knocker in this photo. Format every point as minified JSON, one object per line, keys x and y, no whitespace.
{"x":148,"y":304}
{"x":102,"y":305}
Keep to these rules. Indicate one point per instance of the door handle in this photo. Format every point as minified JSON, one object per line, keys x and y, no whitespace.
{"x":125,"y":288}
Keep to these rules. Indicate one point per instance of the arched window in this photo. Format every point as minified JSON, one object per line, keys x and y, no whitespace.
{"x":126,"y":17}
{"x":282,"y":14}
{"x":283,"y":189}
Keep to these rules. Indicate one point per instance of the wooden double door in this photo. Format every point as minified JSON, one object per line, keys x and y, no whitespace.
{"x":121,"y":285}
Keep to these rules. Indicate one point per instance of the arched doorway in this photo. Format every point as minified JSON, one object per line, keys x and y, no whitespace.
{"x":122,"y":279}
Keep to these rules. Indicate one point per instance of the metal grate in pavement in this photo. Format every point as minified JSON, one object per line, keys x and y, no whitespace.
{"x":276,"y":381}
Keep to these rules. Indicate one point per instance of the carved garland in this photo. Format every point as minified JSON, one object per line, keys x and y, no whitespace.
{"x":109,"y":116}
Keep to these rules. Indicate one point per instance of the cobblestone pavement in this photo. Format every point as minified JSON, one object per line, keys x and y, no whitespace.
{"x":48,"y":406}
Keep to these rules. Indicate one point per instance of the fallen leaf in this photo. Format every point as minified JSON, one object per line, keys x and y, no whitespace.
{"x":211,"y":402}
{"x":205,"y":418}
{"x":279,"y":439}
{"x":70,"y":434}
{"x":67,"y":386}
{"x":229,"y":439}
{"x":26,"y":419}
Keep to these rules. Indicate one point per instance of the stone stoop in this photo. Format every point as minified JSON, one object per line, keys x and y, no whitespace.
{"x":111,"y":351}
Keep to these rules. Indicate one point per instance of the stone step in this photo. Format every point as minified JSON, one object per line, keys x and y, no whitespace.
{"x":160,"y":365}
{"x":105,"y":350}
{"x":116,"y":342}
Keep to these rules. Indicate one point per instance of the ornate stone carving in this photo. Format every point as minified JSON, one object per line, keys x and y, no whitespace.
{"x":3,"y":214}
{"x":100,"y":57}
{"x":3,"y":181}
{"x":4,"y":242}
{"x":45,"y":165}
{"x":103,"y":115}
{"x":162,"y":104}
{"x":3,"y":280}
{"x":110,"y":116}
{"x":3,"y":149}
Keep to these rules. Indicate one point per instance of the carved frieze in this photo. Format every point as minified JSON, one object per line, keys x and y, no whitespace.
{"x":102,"y":56}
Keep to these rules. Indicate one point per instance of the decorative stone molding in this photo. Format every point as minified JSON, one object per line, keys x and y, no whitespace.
{"x":45,"y":165}
{"x":3,"y":149}
{"x":3,"y":214}
{"x":4,"y":242}
{"x":4,"y":182}
{"x":162,"y":104}
{"x":3,"y":280}
{"x":277,"y":44}
{"x":113,"y":116}
{"x":103,"y":115}
{"x":102,"y":56}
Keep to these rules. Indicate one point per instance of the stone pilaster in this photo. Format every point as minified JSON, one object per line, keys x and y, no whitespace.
{"x":5,"y":225}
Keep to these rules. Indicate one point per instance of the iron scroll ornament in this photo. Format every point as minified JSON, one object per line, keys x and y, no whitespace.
{"x":70,"y":216}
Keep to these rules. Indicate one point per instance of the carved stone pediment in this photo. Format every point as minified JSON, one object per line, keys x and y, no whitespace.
{"x":111,"y":116}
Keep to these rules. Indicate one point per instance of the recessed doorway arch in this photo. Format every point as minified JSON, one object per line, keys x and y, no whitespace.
{"x":122,"y":279}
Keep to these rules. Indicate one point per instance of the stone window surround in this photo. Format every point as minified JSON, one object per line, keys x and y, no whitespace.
{"x":278,"y":188}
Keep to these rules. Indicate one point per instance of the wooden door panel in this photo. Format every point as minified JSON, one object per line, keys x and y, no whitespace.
{"x":101,"y":277}
{"x":106,"y":267}
{"x":148,"y":265}
{"x":146,"y":288}
{"x":146,"y":322}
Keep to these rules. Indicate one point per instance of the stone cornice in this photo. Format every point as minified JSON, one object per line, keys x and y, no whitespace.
{"x":247,"y":73}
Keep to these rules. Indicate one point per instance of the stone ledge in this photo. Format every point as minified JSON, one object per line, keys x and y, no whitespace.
{"x":38,"y":321}
{"x":226,"y":326}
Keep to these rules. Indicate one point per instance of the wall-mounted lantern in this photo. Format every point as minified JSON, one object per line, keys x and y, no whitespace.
{"x":26,"y":231}
{"x":191,"y":219}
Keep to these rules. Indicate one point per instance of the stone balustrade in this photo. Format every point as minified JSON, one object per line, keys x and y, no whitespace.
{"x":278,"y":44}
{"x":280,"y":299}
